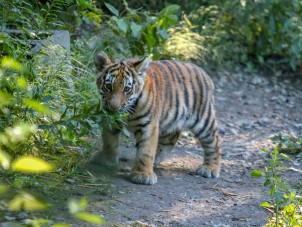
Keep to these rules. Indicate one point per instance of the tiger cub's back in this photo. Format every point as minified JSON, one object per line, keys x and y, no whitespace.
{"x":183,"y":93}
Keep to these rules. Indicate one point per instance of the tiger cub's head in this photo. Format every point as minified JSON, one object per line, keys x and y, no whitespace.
{"x":120,"y":81}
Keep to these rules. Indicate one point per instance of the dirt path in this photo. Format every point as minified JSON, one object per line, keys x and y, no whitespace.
{"x":250,"y":110}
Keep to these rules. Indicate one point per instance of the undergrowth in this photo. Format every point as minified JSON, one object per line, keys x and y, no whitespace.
{"x":285,"y":196}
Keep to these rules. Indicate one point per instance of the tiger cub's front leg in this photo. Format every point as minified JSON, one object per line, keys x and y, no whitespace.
{"x":146,"y":144}
{"x":109,"y":154}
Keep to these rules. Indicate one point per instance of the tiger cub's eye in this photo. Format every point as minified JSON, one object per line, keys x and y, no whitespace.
{"x":108,"y":87}
{"x":127,"y":89}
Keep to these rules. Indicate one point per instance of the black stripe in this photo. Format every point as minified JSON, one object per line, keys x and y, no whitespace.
{"x":210,"y":134}
{"x":143,"y":108}
{"x":163,"y":136}
{"x":147,"y":155}
{"x":176,"y":110}
{"x":177,"y":74}
{"x":186,"y":94}
{"x":137,"y":131}
{"x":143,"y":115}
{"x":167,"y":144}
{"x":164,"y":72}
{"x":142,"y":125}
{"x":204,"y":103}
{"x":138,"y":143}
{"x":112,"y":68}
{"x":142,"y":162}
{"x":205,"y":123}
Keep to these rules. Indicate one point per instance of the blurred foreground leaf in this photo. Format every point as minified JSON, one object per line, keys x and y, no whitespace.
{"x":28,"y":202}
{"x":32,"y":164}
{"x":91,"y":218}
{"x":4,"y":159}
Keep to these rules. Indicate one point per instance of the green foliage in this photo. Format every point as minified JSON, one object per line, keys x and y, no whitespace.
{"x":185,"y":44}
{"x":288,"y":144}
{"x":285,"y":204}
{"x":136,"y":33}
{"x":251,"y":32}
{"x":46,"y":15}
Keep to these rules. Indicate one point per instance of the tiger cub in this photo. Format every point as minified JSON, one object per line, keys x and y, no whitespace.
{"x":162,"y":98}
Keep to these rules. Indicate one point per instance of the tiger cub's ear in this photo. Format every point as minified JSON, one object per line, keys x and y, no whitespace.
{"x":141,"y":66}
{"x":101,"y":60}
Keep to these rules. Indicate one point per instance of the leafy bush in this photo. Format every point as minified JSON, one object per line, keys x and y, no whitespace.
{"x":50,"y":103}
{"x":264,"y":32}
{"x":46,"y":15}
{"x":136,"y":33}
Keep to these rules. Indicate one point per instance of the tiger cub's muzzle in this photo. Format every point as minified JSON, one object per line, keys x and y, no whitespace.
{"x":114,"y":104}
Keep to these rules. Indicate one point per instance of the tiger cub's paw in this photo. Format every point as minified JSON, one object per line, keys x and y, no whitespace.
{"x":103,"y":161}
{"x":208,"y":171}
{"x":143,"y":178}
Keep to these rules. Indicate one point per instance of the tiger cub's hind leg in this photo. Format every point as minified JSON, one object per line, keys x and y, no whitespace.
{"x":165,"y":145}
{"x":207,"y":133}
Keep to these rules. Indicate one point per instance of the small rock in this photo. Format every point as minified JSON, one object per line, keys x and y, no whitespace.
{"x":299,"y":126}
{"x":256,"y":80}
{"x":234,"y":131}
{"x":268,"y":90}
{"x":263,"y":121}
{"x":22,"y":215}
{"x":244,"y":122}
{"x":238,"y":93}
{"x":9,"y":218}
{"x":70,"y":181}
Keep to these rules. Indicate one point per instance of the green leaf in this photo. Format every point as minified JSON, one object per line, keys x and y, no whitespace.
{"x":267,"y":182}
{"x":61,"y":225}
{"x":22,"y":82}
{"x":265,"y":204}
{"x":112,"y":9}
{"x":83,"y":203}
{"x":264,"y":150}
{"x":75,"y":206}
{"x":257,"y":173}
{"x":276,"y":151}
{"x":16,"y":133}
{"x":5,"y":98}
{"x":33,"y":104}
{"x":31,"y":165}
{"x":149,"y":38}
{"x":290,"y":209}
{"x":286,"y":157}
{"x":27,"y":202}
{"x":10,"y":63}
{"x":91,"y":218}
{"x":169,"y":10}
{"x":123,"y":25}
{"x":3,"y":188}
{"x":272,"y":23}
{"x":135,"y":29}
{"x":163,"y":33}
{"x":4,"y":159}
{"x":64,"y":113}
